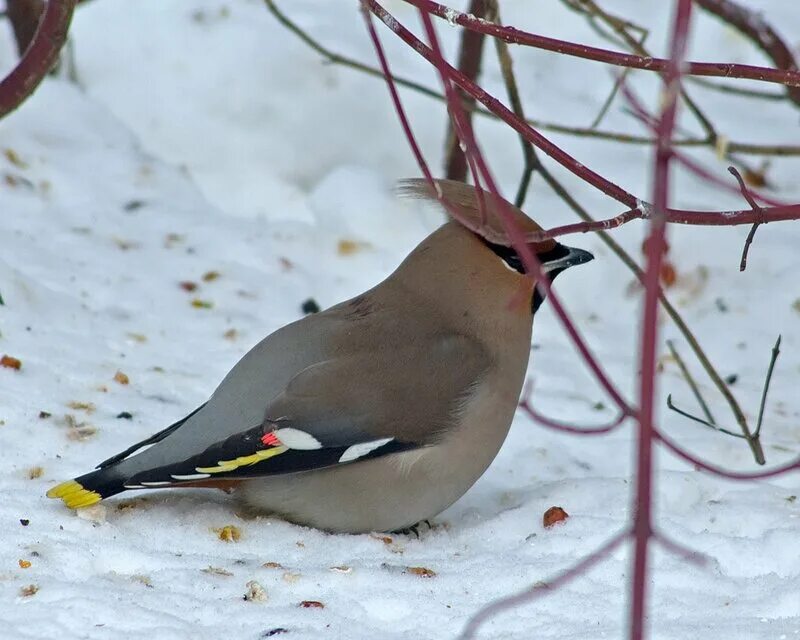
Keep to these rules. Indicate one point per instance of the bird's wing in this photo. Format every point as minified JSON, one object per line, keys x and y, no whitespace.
{"x":341,"y":410}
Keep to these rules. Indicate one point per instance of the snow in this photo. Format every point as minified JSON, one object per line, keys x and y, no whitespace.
{"x":208,"y":139}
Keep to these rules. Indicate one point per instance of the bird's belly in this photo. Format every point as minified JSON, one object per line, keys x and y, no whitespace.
{"x":395,"y":491}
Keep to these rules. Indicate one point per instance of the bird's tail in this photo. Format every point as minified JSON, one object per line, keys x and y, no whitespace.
{"x":89,"y":489}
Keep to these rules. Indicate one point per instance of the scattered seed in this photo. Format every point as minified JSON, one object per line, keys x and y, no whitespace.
{"x":197,"y":303}
{"x":210,"y":276}
{"x":553,"y":516}
{"x":88,"y":407}
{"x":229,"y":533}
{"x":422,"y":572}
{"x":217,"y":571}
{"x":347,"y":247}
{"x":121,"y":378}
{"x":24,"y":564}
{"x":341,"y":569}
{"x":10,"y":362}
{"x":43,"y":415}
{"x":35,"y":472}
{"x":188,"y":285}
{"x":28,"y":591}
{"x":311,"y":604}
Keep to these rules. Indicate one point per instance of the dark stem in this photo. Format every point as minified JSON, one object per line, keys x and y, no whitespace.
{"x":691,"y":382}
{"x":469,"y":63}
{"x":776,"y":350}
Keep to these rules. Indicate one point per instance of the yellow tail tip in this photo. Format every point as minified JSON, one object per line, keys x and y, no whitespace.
{"x":74,"y":495}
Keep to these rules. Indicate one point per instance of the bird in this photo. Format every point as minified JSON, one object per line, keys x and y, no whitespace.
{"x":377,"y":413}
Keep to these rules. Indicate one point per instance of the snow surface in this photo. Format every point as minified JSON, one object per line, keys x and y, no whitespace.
{"x":207,"y":138}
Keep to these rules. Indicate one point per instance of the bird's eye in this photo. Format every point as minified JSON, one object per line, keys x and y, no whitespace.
{"x":508,"y":257}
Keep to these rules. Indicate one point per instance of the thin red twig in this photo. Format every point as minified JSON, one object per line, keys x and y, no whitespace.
{"x":558,"y":425}
{"x":39,"y":58}
{"x":751,"y":23}
{"x":530,"y":261}
{"x":640,"y":113}
{"x":748,"y":195}
{"x":541,"y":589}
{"x":656,"y":247}
{"x":469,"y":63}
{"x":679,"y":216}
{"x":786,"y":77}
{"x":792,"y":465}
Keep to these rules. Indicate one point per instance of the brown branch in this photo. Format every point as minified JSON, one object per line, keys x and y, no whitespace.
{"x":786,"y":77}
{"x":726,"y":218}
{"x":754,"y":206}
{"x":40,"y":56}
{"x":469,"y":63}
{"x":530,"y":159}
{"x":690,"y":381}
{"x":24,"y":17}
{"x":776,"y":350}
{"x":702,"y":421}
{"x":583,"y":132}
{"x":753,"y":26}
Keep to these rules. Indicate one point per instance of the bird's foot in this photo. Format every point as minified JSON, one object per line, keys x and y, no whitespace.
{"x":414,"y":529}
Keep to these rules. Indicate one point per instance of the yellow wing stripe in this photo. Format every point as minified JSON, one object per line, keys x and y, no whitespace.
{"x":74,"y":495}
{"x":224,"y":466}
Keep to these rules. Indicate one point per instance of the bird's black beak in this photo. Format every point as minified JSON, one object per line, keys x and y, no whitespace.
{"x":554,"y":262}
{"x":565,"y":258}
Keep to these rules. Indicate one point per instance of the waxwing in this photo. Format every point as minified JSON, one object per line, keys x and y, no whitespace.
{"x":377,"y":413}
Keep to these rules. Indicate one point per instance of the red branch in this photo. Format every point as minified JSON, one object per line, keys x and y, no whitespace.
{"x":542,"y":588}
{"x":786,"y":77}
{"x":750,"y":24}
{"x":641,"y":114}
{"x":558,"y":425}
{"x":469,"y":63}
{"x":679,"y":216}
{"x":656,"y":247}
{"x":41,"y":55}
{"x":531,"y":262}
{"x":792,"y":465}
{"x":643,"y":531}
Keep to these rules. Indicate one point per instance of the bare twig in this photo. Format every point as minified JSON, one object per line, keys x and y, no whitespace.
{"x":40,"y":56}
{"x":705,"y":423}
{"x":776,"y":350}
{"x":656,"y":247}
{"x":24,"y":17}
{"x":690,"y":381}
{"x":754,"y":206}
{"x":469,"y":63}
{"x":531,"y":161}
{"x":558,"y":425}
{"x":554,"y":151}
{"x":542,"y":588}
{"x":752,"y":25}
{"x":585,"y":132}
{"x":786,"y":77}
{"x":792,"y":465}
{"x":755,"y":94}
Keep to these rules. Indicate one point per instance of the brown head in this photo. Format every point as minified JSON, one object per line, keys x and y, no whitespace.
{"x":485,"y":220}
